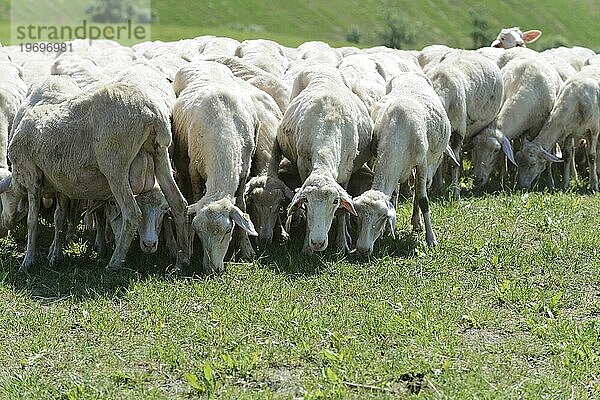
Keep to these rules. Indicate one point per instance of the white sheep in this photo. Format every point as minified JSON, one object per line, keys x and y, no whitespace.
{"x":531,"y":86}
{"x":220,"y":46}
{"x":326,"y":131}
{"x":394,"y":63}
{"x":215,"y":127}
{"x":364,"y":77}
{"x":83,"y":70}
{"x":432,"y":55}
{"x":320,"y":52}
{"x":264,"y":54}
{"x":470,"y":87}
{"x":576,"y":56}
{"x":576,"y":113}
{"x":411,"y":131}
{"x":593,"y":60}
{"x":258,"y":78}
{"x":265,"y":193}
{"x":83,"y":148}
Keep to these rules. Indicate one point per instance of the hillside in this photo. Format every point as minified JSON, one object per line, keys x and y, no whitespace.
{"x":434,"y":21}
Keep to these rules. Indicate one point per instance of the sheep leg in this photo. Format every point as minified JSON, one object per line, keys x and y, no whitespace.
{"x":241,"y":237}
{"x":55,"y":254}
{"x":568,"y":150}
{"x":131,"y":216}
{"x":592,"y":160}
{"x":415,"y":220}
{"x":100,"y":223}
{"x":423,"y":202}
{"x":280,"y":230}
{"x":549,"y":176}
{"x":34,"y":197}
{"x":457,"y":142}
{"x":178,"y":204}
{"x":573,"y":163}
{"x":341,"y":233}
{"x":169,"y":237}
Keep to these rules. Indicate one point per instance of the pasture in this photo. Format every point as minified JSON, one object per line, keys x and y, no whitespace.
{"x":507,"y":306}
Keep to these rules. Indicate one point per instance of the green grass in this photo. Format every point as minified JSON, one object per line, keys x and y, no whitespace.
{"x":507,"y":306}
{"x":293,"y":22}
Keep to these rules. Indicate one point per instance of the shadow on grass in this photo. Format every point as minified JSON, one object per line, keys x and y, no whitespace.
{"x":81,"y":275}
{"x":286,"y":258}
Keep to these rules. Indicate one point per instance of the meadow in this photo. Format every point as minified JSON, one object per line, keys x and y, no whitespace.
{"x":507,"y":306}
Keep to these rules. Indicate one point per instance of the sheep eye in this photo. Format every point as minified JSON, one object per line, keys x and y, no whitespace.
{"x":336,"y":202}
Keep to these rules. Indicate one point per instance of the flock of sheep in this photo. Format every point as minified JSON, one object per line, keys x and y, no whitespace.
{"x":217,"y":138}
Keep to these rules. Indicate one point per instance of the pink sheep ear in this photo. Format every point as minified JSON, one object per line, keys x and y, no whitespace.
{"x":531,"y":36}
{"x":297,"y":202}
{"x":346,"y":201}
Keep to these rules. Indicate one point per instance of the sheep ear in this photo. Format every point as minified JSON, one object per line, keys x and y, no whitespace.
{"x":297,"y":201}
{"x":5,"y":183}
{"x":347,"y":203}
{"x":191,"y":210}
{"x":391,"y":219}
{"x":546,"y":155}
{"x":238,"y":217}
{"x":450,"y":153}
{"x":508,"y":150}
{"x":531,"y":36}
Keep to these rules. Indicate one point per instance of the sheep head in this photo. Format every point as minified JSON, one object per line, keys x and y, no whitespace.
{"x":514,"y":37}
{"x":154,"y":206}
{"x":264,"y":198}
{"x":532,"y":160}
{"x":376,"y":213}
{"x":13,"y":198}
{"x":487,"y":147}
{"x":322,"y":196}
{"x":213,"y":221}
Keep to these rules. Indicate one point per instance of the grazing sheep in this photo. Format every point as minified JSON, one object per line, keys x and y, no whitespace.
{"x":432,"y":55}
{"x":411,"y":132}
{"x":320,"y":52}
{"x":84,"y":149}
{"x":364,"y":77}
{"x":326,"y":131}
{"x":514,"y":37}
{"x":393,"y":62}
{"x":265,"y":193}
{"x":153,"y":206}
{"x":257,"y":77}
{"x":593,"y":60}
{"x":220,"y":46}
{"x":215,"y":125}
{"x":576,"y":113}
{"x":576,"y":56}
{"x":83,"y":70}
{"x":470,"y":87}
{"x":264,"y":54}
{"x":348,"y":50}
{"x":531,"y":86}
